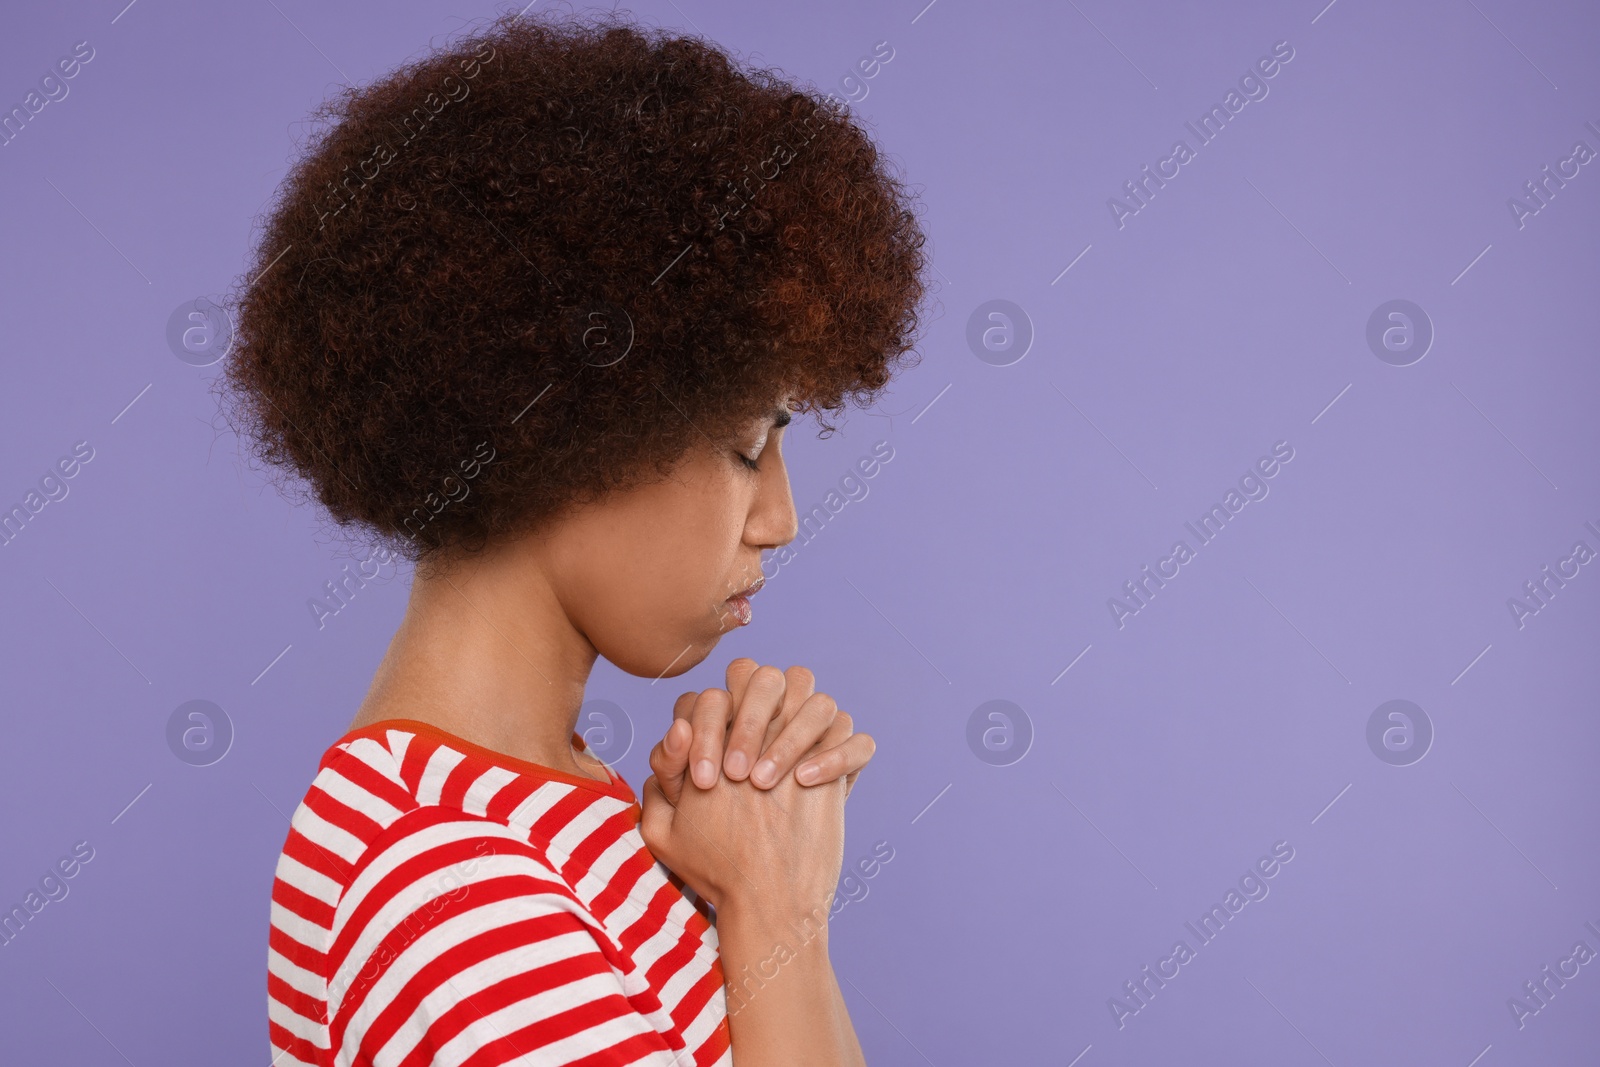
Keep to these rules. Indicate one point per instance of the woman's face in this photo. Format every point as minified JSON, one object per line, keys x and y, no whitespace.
{"x":647,"y":575}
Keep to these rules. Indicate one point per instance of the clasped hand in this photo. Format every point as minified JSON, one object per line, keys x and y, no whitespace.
{"x":724,"y":812}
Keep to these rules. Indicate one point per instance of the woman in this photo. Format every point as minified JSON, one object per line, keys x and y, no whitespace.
{"x":534,"y":312}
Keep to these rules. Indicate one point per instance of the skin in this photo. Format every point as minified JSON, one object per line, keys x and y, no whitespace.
{"x":497,"y":646}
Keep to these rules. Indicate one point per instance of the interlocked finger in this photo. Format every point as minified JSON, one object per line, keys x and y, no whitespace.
{"x":758,"y":705}
{"x":842,"y":760}
{"x":708,"y":716}
{"x":808,"y":725}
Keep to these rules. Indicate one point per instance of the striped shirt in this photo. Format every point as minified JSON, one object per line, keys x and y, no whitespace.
{"x":438,"y":904}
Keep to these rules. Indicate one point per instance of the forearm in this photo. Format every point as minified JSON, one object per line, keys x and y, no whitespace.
{"x":853,"y":1054}
{"x":784,"y":1003}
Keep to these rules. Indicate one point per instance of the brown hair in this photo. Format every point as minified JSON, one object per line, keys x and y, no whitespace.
{"x":550,"y":259}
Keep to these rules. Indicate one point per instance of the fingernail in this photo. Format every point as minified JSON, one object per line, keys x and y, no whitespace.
{"x":808,"y":774}
{"x":736,"y":764}
{"x":765,"y":772}
{"x":705,"y":774}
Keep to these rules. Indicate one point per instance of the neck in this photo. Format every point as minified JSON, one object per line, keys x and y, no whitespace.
{"x":487,"y":652}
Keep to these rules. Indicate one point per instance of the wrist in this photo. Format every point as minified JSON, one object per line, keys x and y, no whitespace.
{"x":774,"y":920}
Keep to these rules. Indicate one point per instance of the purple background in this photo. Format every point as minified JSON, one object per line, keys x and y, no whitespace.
{"x":1228,"y":314}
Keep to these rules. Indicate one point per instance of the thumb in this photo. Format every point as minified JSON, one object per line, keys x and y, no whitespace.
{"x":671,"y":760}
{"x":656,"y":813}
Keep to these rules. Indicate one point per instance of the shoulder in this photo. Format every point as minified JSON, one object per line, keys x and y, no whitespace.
{"x":357,"y":795}
{"x":393,"y":812}
{"x":393,"y":798}
{"x":387,"y":902}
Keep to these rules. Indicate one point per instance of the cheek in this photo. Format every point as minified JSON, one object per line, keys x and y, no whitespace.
{"x":663,"y":557}
{"x":696,"y":557}
{"x":658,"y":610}
{"x":682,"y":549}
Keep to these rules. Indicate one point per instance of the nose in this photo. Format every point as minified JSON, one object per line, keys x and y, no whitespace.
{"x":773,"y":522}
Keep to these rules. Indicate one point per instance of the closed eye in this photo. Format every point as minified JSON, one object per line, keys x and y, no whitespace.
{"x":780,"y":419}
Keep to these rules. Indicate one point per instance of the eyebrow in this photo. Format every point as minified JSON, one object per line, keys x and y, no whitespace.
{"x":781,"y":417}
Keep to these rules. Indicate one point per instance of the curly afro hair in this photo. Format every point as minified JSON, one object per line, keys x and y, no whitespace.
{"x":547,"y":262}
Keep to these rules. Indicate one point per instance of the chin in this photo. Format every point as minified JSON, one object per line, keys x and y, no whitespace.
{"x":661,"y":662}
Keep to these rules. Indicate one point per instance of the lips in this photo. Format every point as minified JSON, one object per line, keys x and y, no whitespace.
{"x":751,"y":590}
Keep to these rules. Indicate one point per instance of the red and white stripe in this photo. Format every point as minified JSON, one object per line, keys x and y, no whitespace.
{"x":441,"y":905}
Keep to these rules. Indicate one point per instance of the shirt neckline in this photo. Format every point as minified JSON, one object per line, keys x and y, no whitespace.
{"x":615,"y":787}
